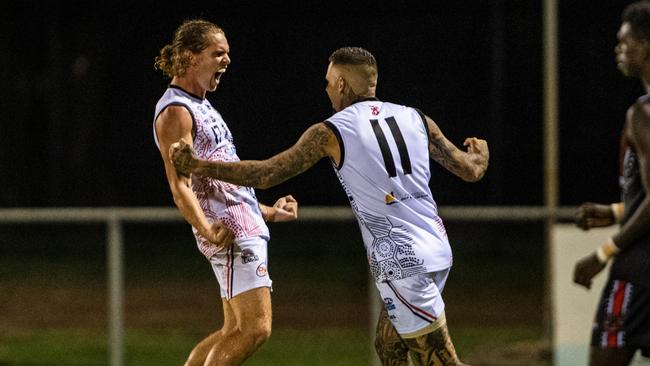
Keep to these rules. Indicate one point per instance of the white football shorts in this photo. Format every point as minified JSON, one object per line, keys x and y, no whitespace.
{"x":242,"y":267}
{"x":414,"y":303}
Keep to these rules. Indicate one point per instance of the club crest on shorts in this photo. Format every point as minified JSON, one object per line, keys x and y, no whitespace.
{"x":389,"y":303}
{"x":248,"y":256}
{"x":261,"y":270}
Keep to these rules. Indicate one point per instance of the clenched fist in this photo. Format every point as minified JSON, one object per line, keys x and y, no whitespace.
{"x":183,"y":157}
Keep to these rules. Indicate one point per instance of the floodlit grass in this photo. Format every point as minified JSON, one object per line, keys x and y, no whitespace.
{"x":88,"y":348}
{"x":54,"y":308}
{"x":287,"y":347}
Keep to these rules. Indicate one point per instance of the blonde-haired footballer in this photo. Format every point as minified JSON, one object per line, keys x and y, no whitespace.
{"x":381,"y":154}
{"x":218,"y":211}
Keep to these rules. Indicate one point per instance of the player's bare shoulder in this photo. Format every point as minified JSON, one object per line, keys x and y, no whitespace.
{"x":637,"y":125}
{"x":318,"y":134}
{"x":174,"y":120}
{"x":318,"y":141}
{"x":174,"y":114}
{"x":434,"y":130}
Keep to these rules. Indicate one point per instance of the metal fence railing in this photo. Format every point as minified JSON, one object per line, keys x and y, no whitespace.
{"x":115,"y":217}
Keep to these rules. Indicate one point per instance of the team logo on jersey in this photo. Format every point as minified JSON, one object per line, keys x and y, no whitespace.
{"x":390,"y":199}
{"x":389,"y":303}
{"x":374,"y":110}
{"x":261,"y":270}
{"x":248,"y":256}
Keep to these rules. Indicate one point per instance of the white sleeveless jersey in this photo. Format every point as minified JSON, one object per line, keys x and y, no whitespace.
{"x":236,"y":206}
{"x":384,"y":170}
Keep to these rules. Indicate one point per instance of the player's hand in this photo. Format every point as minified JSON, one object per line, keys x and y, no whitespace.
{"x":586,"y":269}
{"x":591,"y":214}
{"x":220,"y":235}
{"x":182,"y":156}
{"x":479,"y":157}
{"x":284,"y":209}
{"x":477,"y":146}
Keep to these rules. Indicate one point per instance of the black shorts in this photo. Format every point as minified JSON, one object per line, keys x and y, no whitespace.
{"x":623,"y":317}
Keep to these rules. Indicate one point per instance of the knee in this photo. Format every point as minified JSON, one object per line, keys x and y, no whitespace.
{"x":258,"y":334}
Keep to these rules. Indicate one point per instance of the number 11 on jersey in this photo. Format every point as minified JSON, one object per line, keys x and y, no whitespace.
{"x":385,"y":149}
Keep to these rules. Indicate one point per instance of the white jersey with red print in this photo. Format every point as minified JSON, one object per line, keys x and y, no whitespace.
{"x":384,"y":170}
{"x":236,"y":206}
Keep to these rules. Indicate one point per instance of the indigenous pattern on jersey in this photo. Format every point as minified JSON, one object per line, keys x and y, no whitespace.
{"x":633,"y":263}
{"x":384,"y":170}
{"x":236,"y":206}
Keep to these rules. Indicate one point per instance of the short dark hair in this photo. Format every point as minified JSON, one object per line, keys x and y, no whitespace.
{"x":353,"y":56}
{"x":638,"y":15}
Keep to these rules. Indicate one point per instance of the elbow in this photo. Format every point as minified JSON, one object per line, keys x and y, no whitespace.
{"x":177,"y":189}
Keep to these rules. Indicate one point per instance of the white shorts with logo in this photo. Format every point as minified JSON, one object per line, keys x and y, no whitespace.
{"x":415,"y":302}
{"x":243,"y":267}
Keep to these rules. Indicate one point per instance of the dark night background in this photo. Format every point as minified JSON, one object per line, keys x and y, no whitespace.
{"x":79,"y":89}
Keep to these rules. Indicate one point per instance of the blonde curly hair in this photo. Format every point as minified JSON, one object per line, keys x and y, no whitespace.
{"x":191,"y":37}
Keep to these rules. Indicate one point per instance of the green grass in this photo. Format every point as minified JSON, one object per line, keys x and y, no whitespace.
{"x":54,"y":303}
{"x":287,"y":347}
{"x":143,"y":348}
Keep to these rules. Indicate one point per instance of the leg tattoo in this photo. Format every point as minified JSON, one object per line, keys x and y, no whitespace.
{"x":433,"y":349}
{"x":390,"y":347}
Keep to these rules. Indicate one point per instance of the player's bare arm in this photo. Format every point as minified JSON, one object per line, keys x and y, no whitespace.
{"x":470,"y":166}
{"x":637,"y":130}
{"x":638,"y":133}
{"x":314,"y":144}
{"x":590,"y":214}
{"x":174,"y":123}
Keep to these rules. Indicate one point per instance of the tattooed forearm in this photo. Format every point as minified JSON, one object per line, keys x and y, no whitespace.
{"x":433,"y":348}
{"x":468,"y":165}
{"x":309,"y":149}
{"x":391,"y":349}
{"x":446,"y":154}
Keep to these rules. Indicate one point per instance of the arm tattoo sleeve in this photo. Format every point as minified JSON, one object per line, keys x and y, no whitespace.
{"x":469,"y":166}
{"x":309,"y":149}
{"x":445,"y":153}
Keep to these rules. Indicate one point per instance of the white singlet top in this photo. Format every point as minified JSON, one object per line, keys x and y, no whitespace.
{"x":384,"y":170}
{"x":236,"y":206}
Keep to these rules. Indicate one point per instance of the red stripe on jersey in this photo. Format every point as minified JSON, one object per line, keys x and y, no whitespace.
{"x":617,"y":307}
{"x":229,"y":271}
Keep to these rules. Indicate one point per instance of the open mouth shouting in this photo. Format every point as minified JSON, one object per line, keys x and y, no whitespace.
{"x":217,"y":75}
